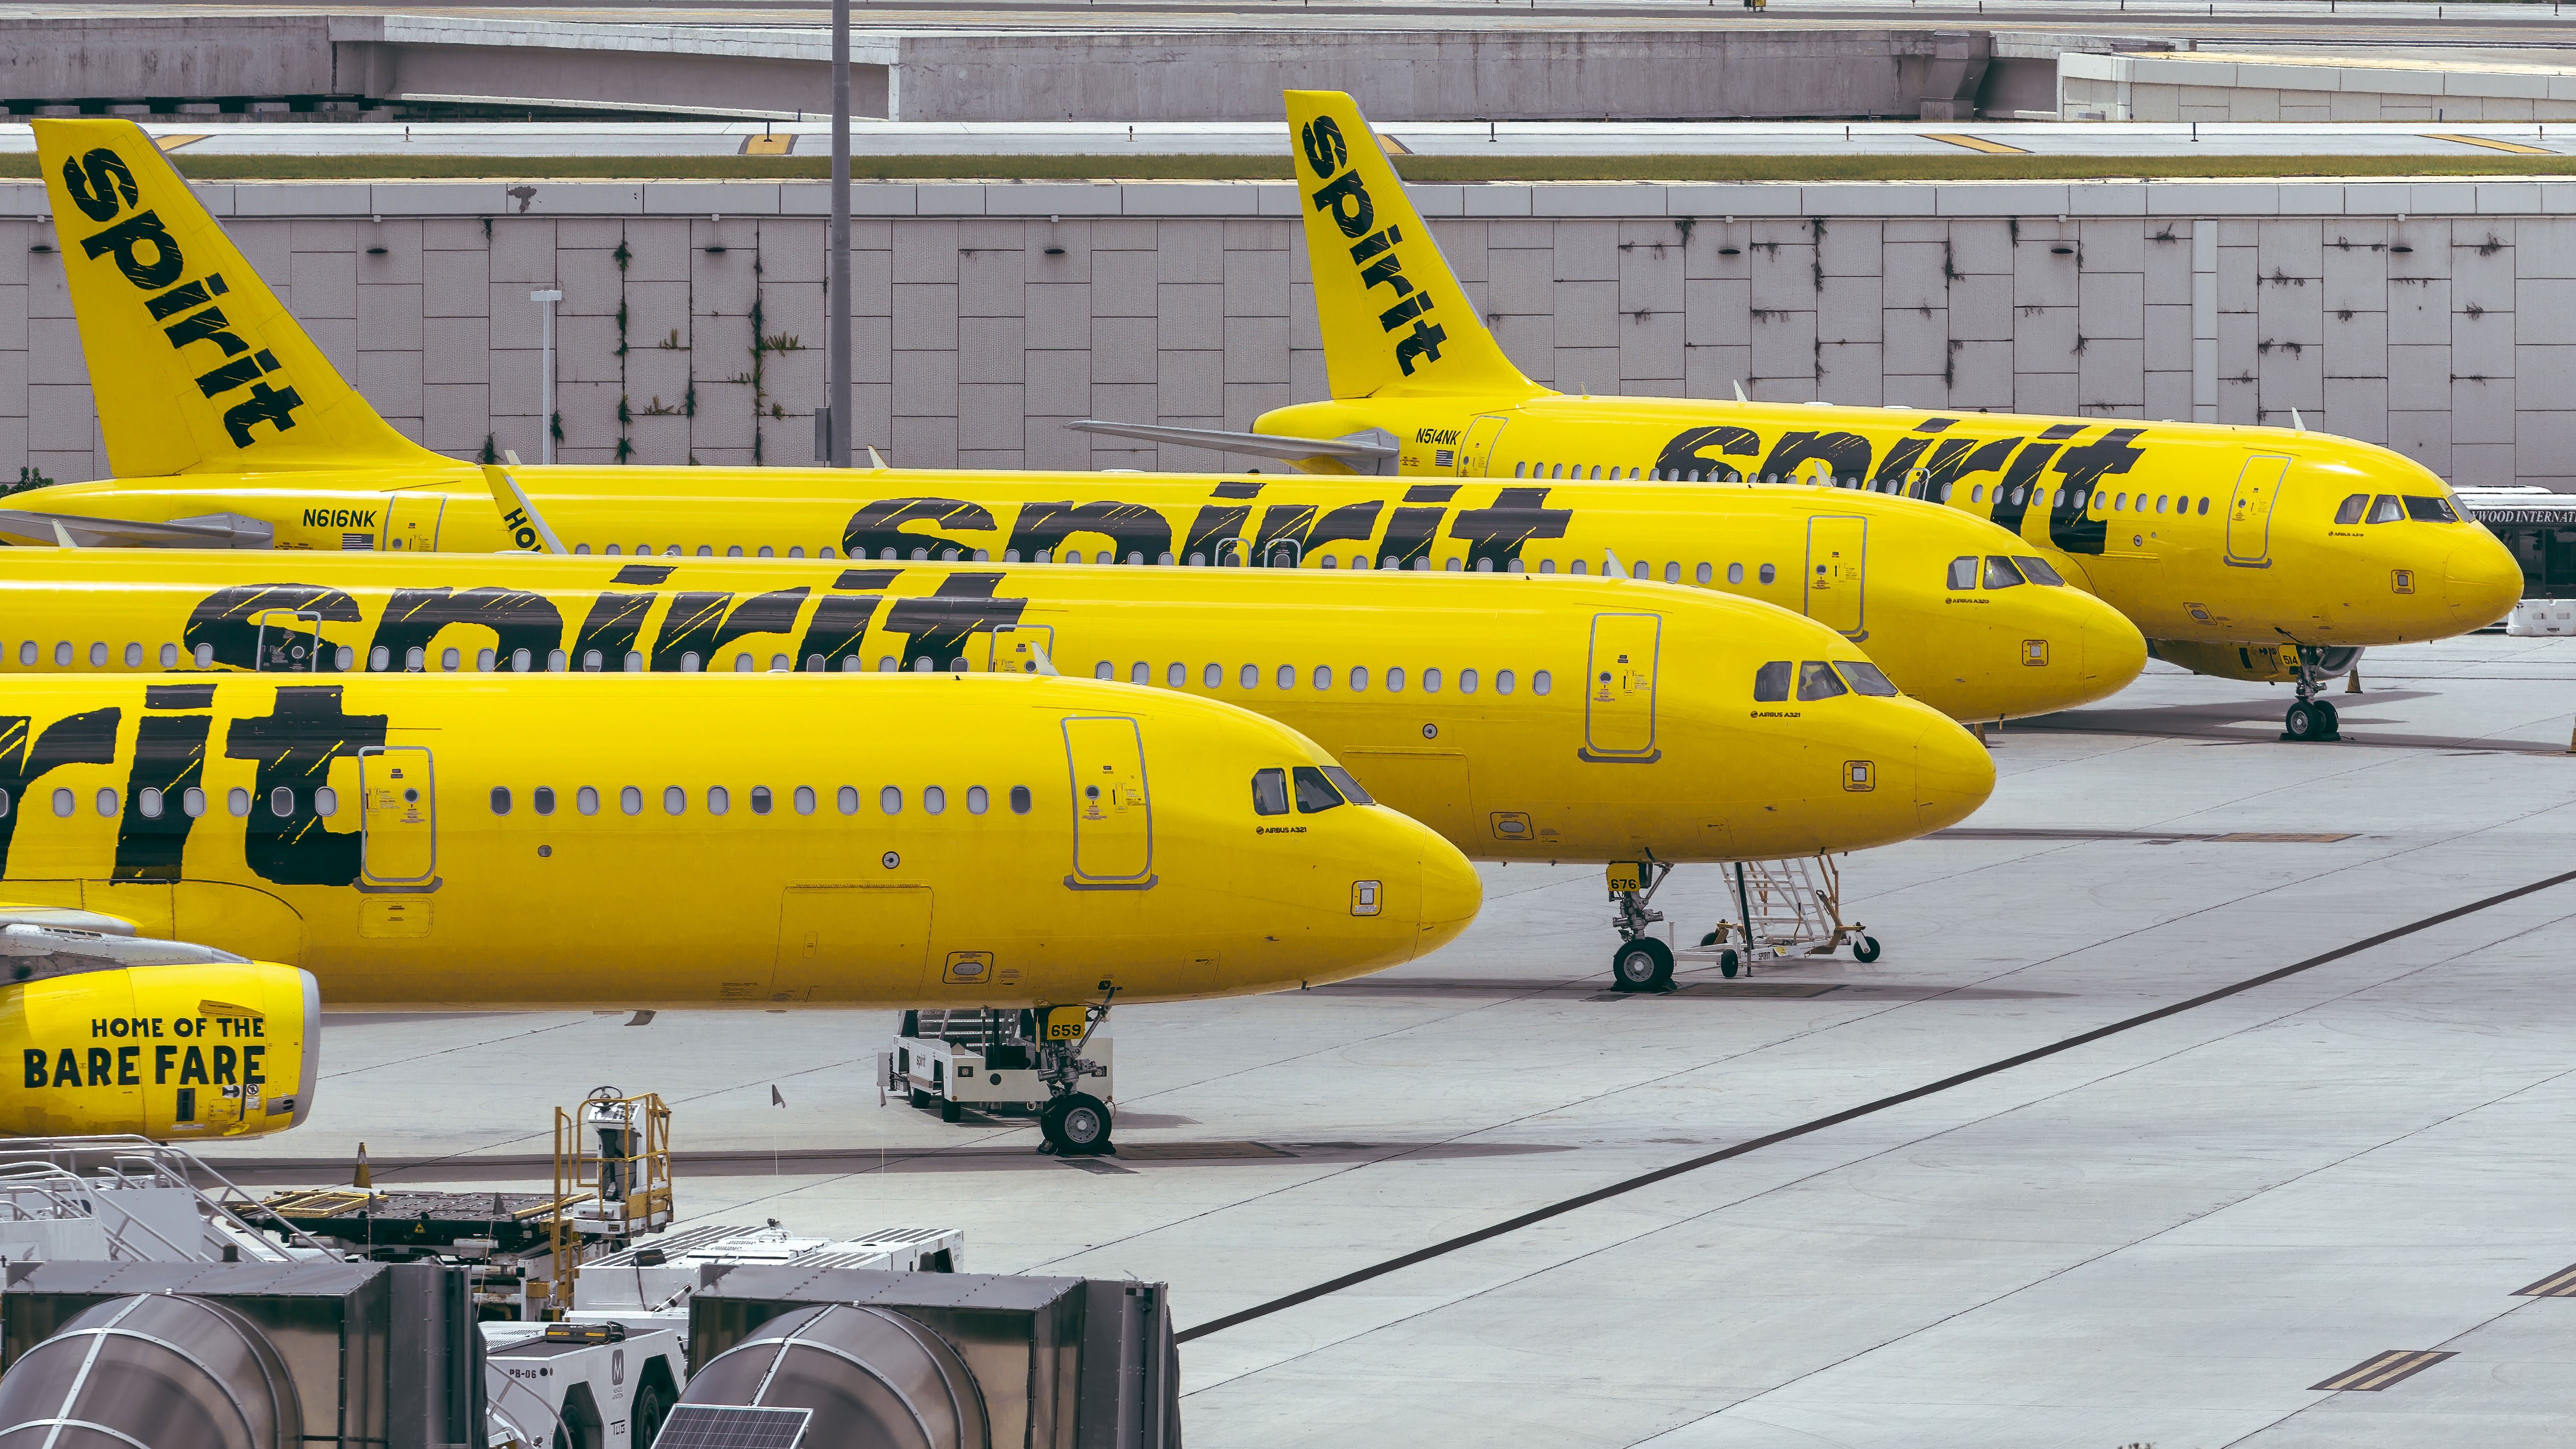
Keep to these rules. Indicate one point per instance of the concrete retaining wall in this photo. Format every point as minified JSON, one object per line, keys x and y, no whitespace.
{"x":2439,"y":317}
{"x":2215,"y":87}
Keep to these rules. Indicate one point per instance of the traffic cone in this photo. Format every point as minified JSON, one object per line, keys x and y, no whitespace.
{"x":2352,"y":681}
{"x":364,"y":1177}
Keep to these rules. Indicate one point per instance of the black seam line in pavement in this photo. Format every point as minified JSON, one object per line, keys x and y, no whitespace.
{"x":1848,"y":1114}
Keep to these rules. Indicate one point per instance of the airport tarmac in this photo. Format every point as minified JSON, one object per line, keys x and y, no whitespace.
{"x":2170,"y":1233}
{"x":521,"y":139}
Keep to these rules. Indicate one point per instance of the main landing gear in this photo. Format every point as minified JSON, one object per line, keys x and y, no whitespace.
{"x":1074,"y":1122}
{"x":2310,"y":720}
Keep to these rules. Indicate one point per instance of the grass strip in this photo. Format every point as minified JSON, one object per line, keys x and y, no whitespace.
{"x":1275,"y":168}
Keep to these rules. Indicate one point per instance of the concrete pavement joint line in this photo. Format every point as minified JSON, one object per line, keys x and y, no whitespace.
{"x":1835,"y":1119}
{"x":2459,"y":1337}
{"x":2192,"y":1218}
{"x":443,"y":1051}
{"x":1998,"y":1114}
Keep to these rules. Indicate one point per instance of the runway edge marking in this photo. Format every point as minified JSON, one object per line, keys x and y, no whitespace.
{"x":1648,"y":1179}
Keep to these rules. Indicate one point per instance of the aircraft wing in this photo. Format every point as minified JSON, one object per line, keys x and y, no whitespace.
{"x":213,"y":530}
{"x":1373,"y":446}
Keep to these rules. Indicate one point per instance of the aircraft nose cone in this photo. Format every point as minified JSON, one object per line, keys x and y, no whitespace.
{"x":1452,"y":893}
{"x":2481,"y":583}
{"x":1953,"y":775}
{"x":2114,"y":650}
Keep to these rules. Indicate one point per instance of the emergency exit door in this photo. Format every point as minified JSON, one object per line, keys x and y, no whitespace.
{"x":1113,"y":816}
{"x":411,"y":521}
{"x":851,"y":942}
{"x":2249,"y":513}
{"x":1837,"y":552}
{"x":398,"y":819}
{"x":1619,"y":694}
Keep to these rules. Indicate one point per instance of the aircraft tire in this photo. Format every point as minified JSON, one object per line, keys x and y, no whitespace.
{"x":1726,"y":964}
{"x":1865,"y":949}
{"x":1644,"y":964}
{"x":2333,"y":727}
{"x":2309,"y":721}
{"x":1077,"y":1125}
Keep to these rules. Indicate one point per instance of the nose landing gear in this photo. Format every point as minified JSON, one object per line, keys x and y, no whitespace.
{"x":1642,"y":962}
{"x":2310,"y":720}
{"x":1074,"y":1122}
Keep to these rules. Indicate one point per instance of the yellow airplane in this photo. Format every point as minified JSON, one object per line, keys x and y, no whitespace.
{"x":229,"y":428}
{"x":2249,"y":553}
{"x":764,"y":841}
{"x":1712,"y":729}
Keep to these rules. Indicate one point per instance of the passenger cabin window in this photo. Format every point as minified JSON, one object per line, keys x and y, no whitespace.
{"x":1771,"y":682}
{"x":2430,"y":510}
{"x":1315,"y":794}
{"x":1963,"y":572}
{"x":1817,"y":680}
{"x":2001,"y":572}
{"x":2039,"y":571}
{"x":1020,"y":799}
{"x":500,"y":800}
{"x":1269,"y":792}
{"x":1866,"y":678}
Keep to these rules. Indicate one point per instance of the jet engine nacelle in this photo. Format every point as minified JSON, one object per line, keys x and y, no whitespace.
{"x":161,"y":1039}
{"x":2260,"y":663}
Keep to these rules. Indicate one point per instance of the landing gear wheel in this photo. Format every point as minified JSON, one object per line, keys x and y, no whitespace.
{"x":2325,"y":708}
{"x":1644,"y":964}
{"x":1865,"y":949}
{"x":1726,"y":964}
{"x":2309,"y":721}
{"x":1076,"y":1125}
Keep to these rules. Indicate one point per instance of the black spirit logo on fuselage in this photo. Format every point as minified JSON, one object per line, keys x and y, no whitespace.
{"x":101,"y":185}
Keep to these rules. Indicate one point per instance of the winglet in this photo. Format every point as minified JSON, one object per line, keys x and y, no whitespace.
{"x":1613,"y":564}
{"x":528,"y":529}
{"x":1739,"y":388}
{"x":875,"y":459}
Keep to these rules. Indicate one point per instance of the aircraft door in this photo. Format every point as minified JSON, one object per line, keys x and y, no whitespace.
{"x":1475,"y":454}
{"x":2249,"y":514}
{"x":411,"y":521}
{"x":1020,"y":648}
{"x":398,"y":818}
{"x":1837,"y":549}
{"x":1619,"y":698}
{"x":290,"y":640}
{"x":1113,"y":818}
{"x":840,"y":942}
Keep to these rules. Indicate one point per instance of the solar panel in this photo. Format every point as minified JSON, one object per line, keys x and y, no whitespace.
{"x":733,"y":1426}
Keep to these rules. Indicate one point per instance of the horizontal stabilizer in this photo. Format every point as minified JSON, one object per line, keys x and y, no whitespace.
{"x":213,"y":530}
{"x":1372,"y":446}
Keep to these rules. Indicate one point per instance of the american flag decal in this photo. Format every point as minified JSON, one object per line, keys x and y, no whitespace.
{"x":1444,"y":458}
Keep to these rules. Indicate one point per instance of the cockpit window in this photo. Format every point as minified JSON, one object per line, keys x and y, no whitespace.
{"x":1349,"y":787}
{"x":2000,"y":573}
{"x":1771,"y":682}
{"x":1270,"y":792}
{"x":1315,"y":794}
{"x":2040,"y":571}
{"x":1865,"y":677}
{"x":2430,"y":510}
{"x":1963,"y":572}
{"x":1817,"y":680}
{"x":2352,"y":508}
{"x":2386,"y":509}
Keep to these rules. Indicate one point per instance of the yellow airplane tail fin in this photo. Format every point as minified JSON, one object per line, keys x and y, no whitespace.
{"x":194,"y":364}
{"x":1394,"y":318}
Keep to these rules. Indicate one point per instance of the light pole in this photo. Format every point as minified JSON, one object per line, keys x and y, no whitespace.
{"x":836,"y":383}
{"x":546,"y":299}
